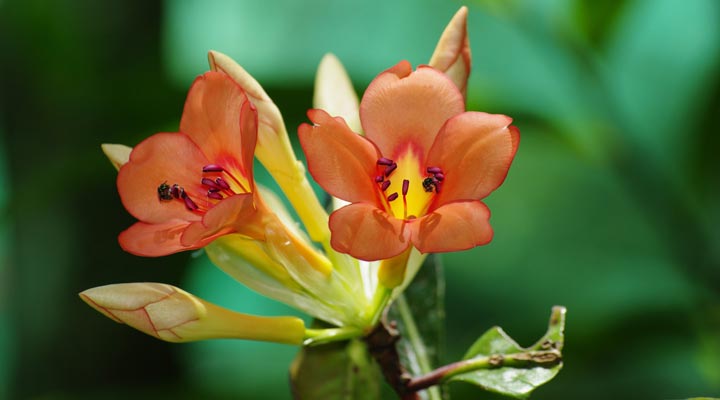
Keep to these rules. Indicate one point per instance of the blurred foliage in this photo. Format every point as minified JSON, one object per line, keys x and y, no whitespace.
{"x":7,"y":355}
{"x":611,"y":207}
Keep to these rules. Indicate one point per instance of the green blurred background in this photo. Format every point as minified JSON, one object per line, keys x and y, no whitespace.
{"x":611,"y":208}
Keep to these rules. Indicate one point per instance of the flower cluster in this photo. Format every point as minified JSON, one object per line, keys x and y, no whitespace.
{"x":407,"y":167}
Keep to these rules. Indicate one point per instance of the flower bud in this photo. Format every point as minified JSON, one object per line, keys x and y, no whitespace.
{"x":171,"y":314}
{"x":334,"y":92}
{"x":118,"y":154}
{"x":452,"y":54}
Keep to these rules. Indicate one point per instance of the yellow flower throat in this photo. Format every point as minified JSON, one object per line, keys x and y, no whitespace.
{"x":406,"y":186}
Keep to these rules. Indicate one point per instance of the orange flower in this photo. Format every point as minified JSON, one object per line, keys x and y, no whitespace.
{"x":190,"y":187}
{"x":417,"y":177}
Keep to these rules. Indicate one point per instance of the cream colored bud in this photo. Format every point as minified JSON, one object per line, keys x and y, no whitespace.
{"x":452,"y":53}
{"x":118,"y":154}
{"x":174,"y":315}
{"x":335,"y":93}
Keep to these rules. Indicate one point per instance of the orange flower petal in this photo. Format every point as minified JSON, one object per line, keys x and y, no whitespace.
{"x":219,"y":220}
{"x":474,"y":150}
{"x":341,"y":161}
{"x":164,"y":157}
{"x":367,"y":233}
{"x":219,"y":118}
{"x":401,"y":108}
{"x":154,"y":240}
{"x":453,"y":227}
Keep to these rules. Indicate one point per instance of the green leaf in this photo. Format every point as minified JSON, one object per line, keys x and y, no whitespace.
{"x":334,"y":371}
{"x":420,"y":317}
{"x":500,"y":365}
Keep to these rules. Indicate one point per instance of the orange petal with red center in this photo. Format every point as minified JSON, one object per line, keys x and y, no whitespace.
{"x":220,"y":119}
{"x":401,"y":109}
{"x":367,"y":233}
{"x":154,"y":240}
{"x":219,"y":220}
{"x":170,"y":158}
{"x":474,"y":150}
{"x":453,"y":227}
{"x":341,"y":161}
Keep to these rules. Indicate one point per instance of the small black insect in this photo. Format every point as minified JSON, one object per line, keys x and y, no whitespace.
{"x":429,"y":184}
{"x":164,"y":192}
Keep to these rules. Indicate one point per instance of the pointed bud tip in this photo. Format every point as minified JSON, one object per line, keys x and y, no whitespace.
{"x":118,"y":154}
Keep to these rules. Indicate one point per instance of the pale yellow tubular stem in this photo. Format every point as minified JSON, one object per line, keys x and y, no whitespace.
{"x":391,"y":274}
{"x":316,"y":259}
{"x":392,"y":271}
{"x":295,"y":185}
{"x":320,"y":336}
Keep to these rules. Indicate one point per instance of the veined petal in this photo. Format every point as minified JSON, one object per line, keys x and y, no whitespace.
{"x":118,"y":154}
{"x":222,"y":218}
{"x":174,"y":315}
{"x":452,"y":54}
{"x":368,"y":233}
{"x":219,"y":118}
{"x":453,"y":227}
{"x":401,"y":108}
{"x":341,"y":161}
{"x":155,"y":240}
{"x":334,"y":92}
{"x":474,"y":150}
{"x":162,"y":158}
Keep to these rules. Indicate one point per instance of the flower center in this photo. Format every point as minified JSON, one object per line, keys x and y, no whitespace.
{"x":218,"y":182}
{"x":407,"y":188}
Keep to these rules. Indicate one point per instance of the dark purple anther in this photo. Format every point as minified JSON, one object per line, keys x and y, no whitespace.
{"x":209,"y":182}
{"x":385,"y":161}
{"x":389,"y":169}
{"x":406,"y":186}
{"x":213,"y":168}
{"x":438,"y":186}
{"x":222,"y":183}
{"x":190,"y":204}
{"x":385,"y":185}
{"x":439,"y":176}
{"x":434,"y":170}
{"x":392,"y":196}
{"x":214,"y":195}
{"x":175,"y":191}
{"x":379,"y":178}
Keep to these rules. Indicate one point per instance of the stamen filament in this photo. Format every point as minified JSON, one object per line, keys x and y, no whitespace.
{"x":385,"y":161}
{"x":405,"y":187}
{"x":434,"y":170}
{"x":222,"y":183}
{"x":209,"y":182}
{"x":213,"y":168}
{"x":189,"y":203}
{"x":389,"y":170}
